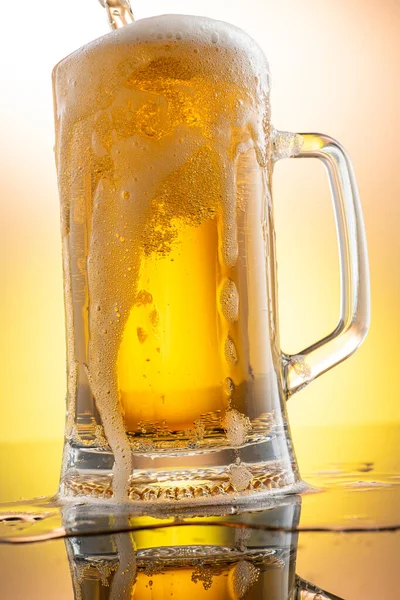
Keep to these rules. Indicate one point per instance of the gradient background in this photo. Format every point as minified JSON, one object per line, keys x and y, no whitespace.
{"x":335,"y":69}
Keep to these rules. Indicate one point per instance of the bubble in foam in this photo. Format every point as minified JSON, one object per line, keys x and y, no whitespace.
{"x":230,"y":248}
{"x":240,"y":477}
{"x":243,"y":575}
{"x":229,"y":387}
{"x":231,"y":354}
{"x":237,"y":427}
{"x":229,"y":300}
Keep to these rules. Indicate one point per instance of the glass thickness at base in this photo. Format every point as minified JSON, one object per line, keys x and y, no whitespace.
{"x":222,"y":474}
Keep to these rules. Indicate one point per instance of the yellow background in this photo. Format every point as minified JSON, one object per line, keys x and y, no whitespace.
{"x":335,"y":68}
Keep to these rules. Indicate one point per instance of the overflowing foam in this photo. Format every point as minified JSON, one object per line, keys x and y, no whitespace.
{"x":166,"y":99}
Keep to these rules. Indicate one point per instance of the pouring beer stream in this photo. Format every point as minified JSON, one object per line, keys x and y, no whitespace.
{"x":119,"y":12}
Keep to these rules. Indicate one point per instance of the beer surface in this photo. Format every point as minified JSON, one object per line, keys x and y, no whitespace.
{"x":162,"y":149}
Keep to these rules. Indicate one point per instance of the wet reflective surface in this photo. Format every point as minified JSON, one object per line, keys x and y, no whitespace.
{"x":342,"y":536}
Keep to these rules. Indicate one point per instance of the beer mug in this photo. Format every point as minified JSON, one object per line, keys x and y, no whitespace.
{"x":177,"y":385}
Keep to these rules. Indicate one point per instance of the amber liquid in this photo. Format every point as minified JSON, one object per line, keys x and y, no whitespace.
{"x":172,"y":366}
{"x":184,"y":358}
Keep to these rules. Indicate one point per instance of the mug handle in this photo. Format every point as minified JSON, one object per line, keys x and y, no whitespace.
{"x":302,"y":368}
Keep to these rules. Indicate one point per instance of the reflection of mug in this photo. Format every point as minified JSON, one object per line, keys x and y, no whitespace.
{"x":217,"y":561}
{"x":165,"y":150}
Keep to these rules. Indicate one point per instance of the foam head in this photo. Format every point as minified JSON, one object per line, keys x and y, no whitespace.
{"x":183,"y":47}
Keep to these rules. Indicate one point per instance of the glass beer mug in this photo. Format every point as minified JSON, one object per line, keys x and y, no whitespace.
{"x":177,"y":384}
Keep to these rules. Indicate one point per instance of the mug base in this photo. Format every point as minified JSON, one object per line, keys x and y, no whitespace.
{"x":267,"y":468}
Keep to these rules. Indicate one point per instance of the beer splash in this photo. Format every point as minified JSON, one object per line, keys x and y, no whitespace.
{"x":157,"y":136}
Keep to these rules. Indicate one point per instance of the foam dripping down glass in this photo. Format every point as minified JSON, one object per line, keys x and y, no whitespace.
{"x":177,"y":384}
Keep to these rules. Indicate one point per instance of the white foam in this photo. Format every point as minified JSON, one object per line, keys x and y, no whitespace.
{"x":243,"y":576}
{"x":217,"y":42}
{"x":237,"y":427}
{"x":240,"y":477}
